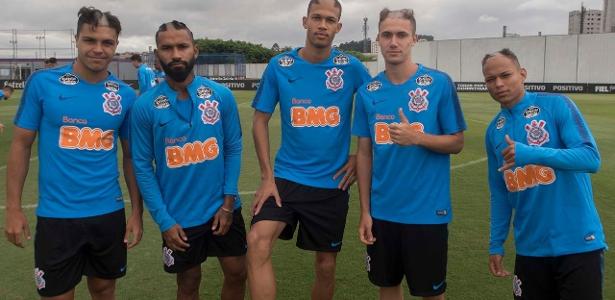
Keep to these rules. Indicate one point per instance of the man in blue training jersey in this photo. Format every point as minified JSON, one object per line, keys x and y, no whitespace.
{"x":79,"y":111}
{"x":188,"y":127}
{"x":145,"y":75}
{"x":408,"y":121}
{"x":540,"y":153}
{"x":6,"y":92}
{"x":159,"y":74}
{"x":314,"y":87}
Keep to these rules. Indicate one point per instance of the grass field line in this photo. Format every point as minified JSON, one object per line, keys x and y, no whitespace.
{"x":478,"y":121}
{"x":467,"y":164}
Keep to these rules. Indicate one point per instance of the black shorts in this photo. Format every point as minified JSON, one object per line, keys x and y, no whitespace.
{"x":417,"y":251}
{"x":574,"y":276}
{"x":67,"y":249}
{"x":321,"y":214}
{"x":203,"y":244}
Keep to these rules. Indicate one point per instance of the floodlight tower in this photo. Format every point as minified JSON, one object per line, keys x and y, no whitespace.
{"x":365,"y":29}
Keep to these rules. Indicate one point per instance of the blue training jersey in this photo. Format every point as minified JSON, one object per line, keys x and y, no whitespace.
{"x":146,"y":78}
{"x":78,"y":125}
{"x":196,"y":160}
{"x":410,"y":184}
{"x":549,"y":188}
{"x":159,"y":76}
{"x":315,"y":108}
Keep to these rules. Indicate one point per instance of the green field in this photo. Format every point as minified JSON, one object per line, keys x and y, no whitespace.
{"x":468,"y":276}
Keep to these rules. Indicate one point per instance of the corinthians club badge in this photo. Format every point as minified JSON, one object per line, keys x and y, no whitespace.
{"x":418,"y":100}
{"x":112,"y":104}
{"x":210,"y":113}
{"x":335,"y":81}
{"x":537,"y":135}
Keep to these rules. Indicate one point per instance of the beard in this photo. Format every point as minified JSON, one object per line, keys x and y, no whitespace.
{"x":178,"y":74}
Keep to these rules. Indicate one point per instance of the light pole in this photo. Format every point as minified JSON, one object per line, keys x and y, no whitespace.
{"x":39,"y":38}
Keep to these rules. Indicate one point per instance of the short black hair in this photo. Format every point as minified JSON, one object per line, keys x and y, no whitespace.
{"x":504,"y":52}
{"x":407,"y":14}
{"x":52,"y":60}
{"x":337,"y":4}
{"x":92,"y":16}
{"x":177,"y":25}
{"x":136,"y":57}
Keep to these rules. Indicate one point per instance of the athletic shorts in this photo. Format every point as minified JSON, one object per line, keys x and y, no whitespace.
{"x":566,"y":277}
{"x":67,"y":249}
{"x":203,"y":244}
{"x":320,"y":214}
{"x":416,"y":251}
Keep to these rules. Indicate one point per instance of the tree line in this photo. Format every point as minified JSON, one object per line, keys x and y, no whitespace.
{"x":257,"y":53}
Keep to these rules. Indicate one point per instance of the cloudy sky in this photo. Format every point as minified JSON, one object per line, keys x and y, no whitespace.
{"x":269,"y":21}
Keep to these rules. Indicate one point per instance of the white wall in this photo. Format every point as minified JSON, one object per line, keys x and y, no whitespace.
{"x":551,"y":59}
{"x":597,"y":58}
{"x":561,"y":59}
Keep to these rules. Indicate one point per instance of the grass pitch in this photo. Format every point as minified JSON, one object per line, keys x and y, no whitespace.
{"x":468,"y":276}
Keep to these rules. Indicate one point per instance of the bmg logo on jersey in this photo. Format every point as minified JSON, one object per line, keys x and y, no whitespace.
{"x":528,"y":176}
{"x":86,"y":138}
{"x":315,"y":116}
{"x":192,"y":153}
{"x":382,"y":135}
{"x":112,"y":104}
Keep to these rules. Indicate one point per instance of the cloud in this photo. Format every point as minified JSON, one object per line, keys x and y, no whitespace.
{"x":279,"y":21}
{"x":487,"y":19}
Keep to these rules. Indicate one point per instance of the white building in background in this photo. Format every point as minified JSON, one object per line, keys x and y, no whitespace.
{"x":608,"y":16}
{"x":592,"y":21}
{"x":375,"y":47}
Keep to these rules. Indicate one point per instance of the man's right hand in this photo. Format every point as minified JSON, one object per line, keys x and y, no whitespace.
{"x":16,"y":229}
{"x":496,"y":266}
{"x":265,"y":190}
{"x":176,"y":239}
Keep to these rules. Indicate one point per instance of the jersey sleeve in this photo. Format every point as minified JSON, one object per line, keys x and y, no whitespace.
{"x":151,"y":76}
{"x":129,"y":100}
{"x":267,"y":95}
{"x":30,"y":110}
{"x":450,"y":114}
{"x":144,"y":78}
{"x":580,"y":152}
{"x":501,"y":209}
{"x":232,"y":144}
{"x":360,"y":124}
{"x":363,"y":75}
{"x":142,"y":148}
{"x":140,"y":80}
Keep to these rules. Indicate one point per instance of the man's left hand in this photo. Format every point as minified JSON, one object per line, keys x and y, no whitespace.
{"x":350,"y":173}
